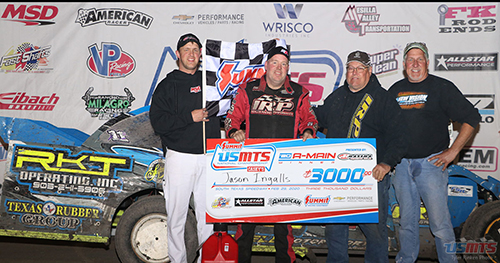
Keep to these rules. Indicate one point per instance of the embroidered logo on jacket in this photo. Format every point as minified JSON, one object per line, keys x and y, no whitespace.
{"x":359,"y":114}
{"x":412,"y":100}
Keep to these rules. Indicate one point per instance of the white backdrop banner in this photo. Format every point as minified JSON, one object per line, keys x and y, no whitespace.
{"x":76,"y":64}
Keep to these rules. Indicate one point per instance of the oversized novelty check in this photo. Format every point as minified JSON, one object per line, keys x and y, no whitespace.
{"x":288,"y":180}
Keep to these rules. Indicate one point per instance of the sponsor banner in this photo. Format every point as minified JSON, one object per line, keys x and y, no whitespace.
{"x":288,"y":180}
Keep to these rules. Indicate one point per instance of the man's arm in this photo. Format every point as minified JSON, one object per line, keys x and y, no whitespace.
{"x":448,"y":155}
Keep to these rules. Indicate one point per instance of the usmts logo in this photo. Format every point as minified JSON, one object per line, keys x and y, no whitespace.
{"x":357,"y":19}
{"x":31,"y":15}
{"x":26,"y":58}
{"x":467,"y":19}
{"x":229,"y":156}
{"x":288,"y":29}
{"x":110,"y":61}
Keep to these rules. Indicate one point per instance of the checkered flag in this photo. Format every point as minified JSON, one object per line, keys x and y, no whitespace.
{"x":226,"y":65}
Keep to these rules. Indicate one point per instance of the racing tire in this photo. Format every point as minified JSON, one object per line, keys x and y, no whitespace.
{"x":482,"y":228}
{"x":141,"y":234}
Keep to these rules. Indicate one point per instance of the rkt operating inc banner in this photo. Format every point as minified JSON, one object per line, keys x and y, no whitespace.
{"x":288,"y":180}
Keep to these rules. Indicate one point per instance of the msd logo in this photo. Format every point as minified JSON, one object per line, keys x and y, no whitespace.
{"x":31,"y":15}
{"x":110,"y":61}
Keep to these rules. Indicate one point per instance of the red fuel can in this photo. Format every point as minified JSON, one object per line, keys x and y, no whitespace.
{"x":220,"y":246}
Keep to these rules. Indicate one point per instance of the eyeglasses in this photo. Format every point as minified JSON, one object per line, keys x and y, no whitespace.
{"x":360,"y":69}
{"x":276,"y":63}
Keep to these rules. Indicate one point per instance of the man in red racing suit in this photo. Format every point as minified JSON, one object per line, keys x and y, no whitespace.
{"x":271,"y":107}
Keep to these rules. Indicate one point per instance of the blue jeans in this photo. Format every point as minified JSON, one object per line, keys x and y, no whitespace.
{"x":417,"y":179}
{"x":377,"y":240}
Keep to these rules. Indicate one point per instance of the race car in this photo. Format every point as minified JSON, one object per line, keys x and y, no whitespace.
{"x":62,"y":184}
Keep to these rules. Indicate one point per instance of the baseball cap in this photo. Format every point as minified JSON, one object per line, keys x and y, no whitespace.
{"x":419,"y":45}
{"x":278,"y":50}
{"x":359,"y":56}
{"x":183,"y":40}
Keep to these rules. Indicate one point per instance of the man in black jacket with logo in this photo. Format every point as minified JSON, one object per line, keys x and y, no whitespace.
{"x":362,"y":108}
{"x":177,"y":117}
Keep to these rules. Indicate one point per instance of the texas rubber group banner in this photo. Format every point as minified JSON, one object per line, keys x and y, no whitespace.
{"x":76,"y":65}
{"x":291,"y":181}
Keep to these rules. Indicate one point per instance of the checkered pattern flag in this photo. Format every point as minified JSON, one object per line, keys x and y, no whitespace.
{"x":226,"y":65}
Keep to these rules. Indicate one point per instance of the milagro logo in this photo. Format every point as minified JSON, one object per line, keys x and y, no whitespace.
{"x":357,"y":19}
{"x":23,"y":101}
{"x":110,"y":61}
{"x":31,"y":15}
{"x":467,"y":19}
{"x":26,"y":58}
{"x":235,"y":156}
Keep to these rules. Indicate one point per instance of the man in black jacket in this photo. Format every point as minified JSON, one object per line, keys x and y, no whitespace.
{"x":362,"y":108}
{"x":177,"y":117}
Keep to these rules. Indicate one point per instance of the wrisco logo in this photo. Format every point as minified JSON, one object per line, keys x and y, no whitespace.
{"x":234,"y":156}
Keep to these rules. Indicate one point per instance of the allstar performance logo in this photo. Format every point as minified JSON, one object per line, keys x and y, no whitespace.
{"x":465,"y":62}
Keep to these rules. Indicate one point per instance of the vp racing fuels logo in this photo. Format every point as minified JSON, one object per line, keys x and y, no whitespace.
{"x":229,"y":156}
{"x":110,"y":61}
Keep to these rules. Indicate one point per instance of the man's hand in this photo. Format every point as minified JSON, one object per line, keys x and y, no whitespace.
{"x":199,"y":115}
{"x":380,"y":171}
{"x":238,"y":135}
{"x":307,"y":135}
{"x":443,"y":159}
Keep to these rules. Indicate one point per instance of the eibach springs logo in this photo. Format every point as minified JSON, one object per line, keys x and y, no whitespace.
{"x":31,"y":15}
{"x":26,"y":58}
{"x":357,"y":19}
{"x":23,"y":101}
{"x":110,"y":61}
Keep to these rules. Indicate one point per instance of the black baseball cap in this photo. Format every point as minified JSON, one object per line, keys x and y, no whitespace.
{"x":360,"y":57}
{"x":278,"y":50}
{"x":183,"y":40}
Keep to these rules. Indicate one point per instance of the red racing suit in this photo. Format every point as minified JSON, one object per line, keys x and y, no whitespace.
{"x":267,"y":113}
